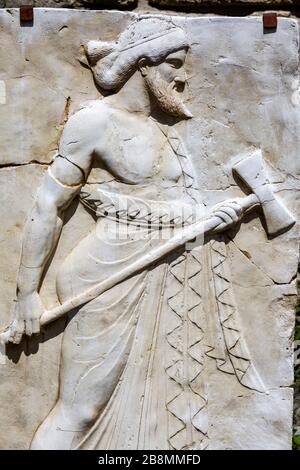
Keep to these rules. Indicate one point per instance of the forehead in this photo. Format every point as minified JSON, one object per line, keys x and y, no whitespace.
{"x":181,"y":55}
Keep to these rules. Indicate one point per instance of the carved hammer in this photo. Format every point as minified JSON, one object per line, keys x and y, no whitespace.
{"x":251,"y":170}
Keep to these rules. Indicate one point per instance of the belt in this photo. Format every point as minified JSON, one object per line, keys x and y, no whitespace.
{"x":140,"y":212}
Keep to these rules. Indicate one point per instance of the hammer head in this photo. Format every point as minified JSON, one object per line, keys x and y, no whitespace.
{"x":251,"y":170}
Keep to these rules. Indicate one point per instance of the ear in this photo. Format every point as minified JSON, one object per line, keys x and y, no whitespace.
{"x":143,"y":66}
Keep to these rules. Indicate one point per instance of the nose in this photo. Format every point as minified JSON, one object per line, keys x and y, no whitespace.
{"x":180,"y":76}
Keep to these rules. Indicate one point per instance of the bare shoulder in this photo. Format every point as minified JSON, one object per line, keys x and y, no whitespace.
{"x":85,"y":129}
{"x":83,"y":133}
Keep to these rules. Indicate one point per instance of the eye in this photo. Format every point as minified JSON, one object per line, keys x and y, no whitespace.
{"x":176,"y":63}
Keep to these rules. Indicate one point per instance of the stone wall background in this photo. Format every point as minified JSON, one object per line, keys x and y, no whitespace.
{"x":286,"y":8}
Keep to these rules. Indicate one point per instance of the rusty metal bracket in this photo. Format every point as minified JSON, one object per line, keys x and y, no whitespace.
{"x":26,"y":14}
{"x":270,"y":21}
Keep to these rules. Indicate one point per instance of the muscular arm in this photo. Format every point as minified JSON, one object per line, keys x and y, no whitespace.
{"x":59,"y":186}
{"x":43,"y":226}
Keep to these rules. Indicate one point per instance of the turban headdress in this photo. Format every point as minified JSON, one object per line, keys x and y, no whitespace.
{"x":151,"y":38}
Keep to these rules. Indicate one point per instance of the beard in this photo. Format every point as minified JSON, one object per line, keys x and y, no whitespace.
{"x":166,"y":96}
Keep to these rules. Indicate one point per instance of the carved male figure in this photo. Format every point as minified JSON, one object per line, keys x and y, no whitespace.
{"x":122,"y":363}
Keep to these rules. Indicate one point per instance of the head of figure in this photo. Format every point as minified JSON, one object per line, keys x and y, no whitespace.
{"x":153,"y":47}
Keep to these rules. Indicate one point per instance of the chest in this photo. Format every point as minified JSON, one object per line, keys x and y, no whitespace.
{"x":138,"y":152}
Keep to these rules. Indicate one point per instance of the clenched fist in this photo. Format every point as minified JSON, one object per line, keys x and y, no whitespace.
{"x":229,"y":212}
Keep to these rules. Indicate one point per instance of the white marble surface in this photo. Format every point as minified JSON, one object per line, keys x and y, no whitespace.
{"x":242,"y":89}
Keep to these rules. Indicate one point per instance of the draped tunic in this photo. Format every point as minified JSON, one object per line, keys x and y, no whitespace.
{"x":146,"y":342}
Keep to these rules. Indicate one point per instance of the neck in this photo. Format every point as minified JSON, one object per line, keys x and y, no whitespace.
{"x":133,"y":96}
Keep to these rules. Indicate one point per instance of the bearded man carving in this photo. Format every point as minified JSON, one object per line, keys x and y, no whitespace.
{"x":130,"y":353}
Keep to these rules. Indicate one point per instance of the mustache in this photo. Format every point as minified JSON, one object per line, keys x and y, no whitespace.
{"x":167,"y":95}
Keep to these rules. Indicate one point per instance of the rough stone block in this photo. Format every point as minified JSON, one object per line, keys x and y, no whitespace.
{"x":123,"y":138}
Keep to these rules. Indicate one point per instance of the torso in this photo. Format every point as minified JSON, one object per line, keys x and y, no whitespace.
{"x":138,"y":155}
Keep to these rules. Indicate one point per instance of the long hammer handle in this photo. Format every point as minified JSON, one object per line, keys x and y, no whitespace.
{"x":249,"y":201}
{"x":197,"y":229}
